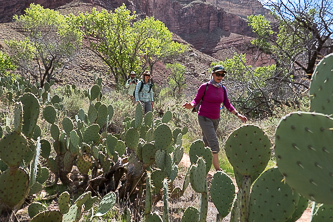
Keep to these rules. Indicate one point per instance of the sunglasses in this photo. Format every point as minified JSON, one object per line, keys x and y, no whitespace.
{"x":146,"y":75}
{"x":219,"y":74}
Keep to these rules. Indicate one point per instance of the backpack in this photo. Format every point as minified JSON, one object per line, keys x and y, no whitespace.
{"x":141,"y":87}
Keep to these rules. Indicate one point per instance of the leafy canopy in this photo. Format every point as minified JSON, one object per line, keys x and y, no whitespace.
{"x":177,"y":77}
{"x":52,"y":41}
{"x":125,"y":42}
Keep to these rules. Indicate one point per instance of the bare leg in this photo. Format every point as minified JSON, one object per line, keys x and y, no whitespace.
{"x":216,"y":161}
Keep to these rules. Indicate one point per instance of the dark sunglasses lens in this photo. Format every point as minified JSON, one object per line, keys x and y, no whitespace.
{"x":220,"y":74}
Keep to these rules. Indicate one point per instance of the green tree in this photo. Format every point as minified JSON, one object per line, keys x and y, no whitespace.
{"x":125,"y":42}
{"x":177,"y":77}
{"x":52,"y":42}
{"x":303,"y":35}
{"x":6,"y":64}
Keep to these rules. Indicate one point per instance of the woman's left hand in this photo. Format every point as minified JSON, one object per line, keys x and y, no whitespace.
{"x":188,"y":105}
{"x":243,"y":118}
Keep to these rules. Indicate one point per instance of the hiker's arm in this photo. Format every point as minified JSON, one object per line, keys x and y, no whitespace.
{"x":127,"y":83}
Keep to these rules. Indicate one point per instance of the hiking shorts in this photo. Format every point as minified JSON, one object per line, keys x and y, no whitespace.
{"x":209,"y":127}
{"x":146,"y":106}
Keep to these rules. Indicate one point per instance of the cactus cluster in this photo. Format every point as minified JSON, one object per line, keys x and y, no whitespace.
{"x":305,"y":158}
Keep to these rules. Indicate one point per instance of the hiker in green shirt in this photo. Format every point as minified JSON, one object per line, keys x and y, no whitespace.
{"x":144,"y":92}
{"x":131,"y":84}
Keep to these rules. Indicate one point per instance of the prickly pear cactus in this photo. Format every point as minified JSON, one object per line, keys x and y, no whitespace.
{"x":198,"y":149}
{"x":106,"y":204}
{"x":94,"y":92}
{"x":272,"y":199}
{"x":167,"y":116}
{"x":91,"y":134}
{"x":63,"y":202}
{"x":248,"y":149}
{"x":13,"y":149}
{"x":49,"y":114}
{"x":35,"y":208}
{"x":305,"y":158}
{"x":321,"y":87}
{"x":30,"y":113}
{"x":191,"y":214}
{"x":198,"y":176}
{"x":50,"y":216}
{"x":14,"y":187}
{"x":163,"y":136}
{"x":132,"y":138}
{"x":222,"y":191}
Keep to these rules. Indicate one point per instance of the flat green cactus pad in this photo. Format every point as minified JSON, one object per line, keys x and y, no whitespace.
{"x":49,"y":216}
{"x":191,"y":214}
{"x":321,"y":88}
{"x":14,"y":184}
{"x":13,"y":148}
{"x":107,"y":202}
{"x":248,"y":149}
{"x":304,"y":153}
{"x":222,"y":191}
{"x":272,"y":199}
{"x":35,"y":208}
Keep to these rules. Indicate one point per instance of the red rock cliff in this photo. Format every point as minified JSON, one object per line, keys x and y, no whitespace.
{"x":201,"y":23}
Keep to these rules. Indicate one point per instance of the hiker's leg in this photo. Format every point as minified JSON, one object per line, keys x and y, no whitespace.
{"x":209,"y":127}
{"x":147,"y":107}
{"x":216,"y":163}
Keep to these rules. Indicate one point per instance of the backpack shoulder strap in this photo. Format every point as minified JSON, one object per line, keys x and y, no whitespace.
{"x":204,"y":91}
{"x":141,"y":86}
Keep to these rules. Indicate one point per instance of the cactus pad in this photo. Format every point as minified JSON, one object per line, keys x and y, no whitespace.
{"x":148,"y":119}
{"x":49,"y":216}
{"x":167,"y":117}
{"x":13,"y":149}
{"x":35,"y":208}
{"x":198,"y":176}
{"x":305,"y":158}
{"x":13,"y":187}
{"x":157,"y":178}
{"x":18,"y":110}
{"x":222,"y":191}
{"x":30,"y":113}
{"x":321,"y":87}
{"x":94,"y":92}
{"x":198,"y":149}
{"x":191,"y":214}
{"x":272,"y":199}
{"x":107,"y":202}
{"x":132,"y":138}
{"x":67,"y":125}
{"x":148,"y":153}
{"x":91,"y":134}
{"x":248,"y":149}
{"x":102,"y":115}
{"x":138,"y":115}
{"x":49,"y":114}
{"x":84,"y":163}
{"x":73,"y":214}
{"x":163,"y":136}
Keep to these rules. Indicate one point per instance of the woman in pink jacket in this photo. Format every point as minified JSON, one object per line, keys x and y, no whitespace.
{"x":209,"y":111}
